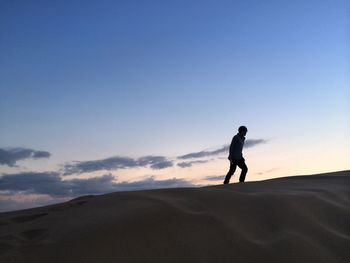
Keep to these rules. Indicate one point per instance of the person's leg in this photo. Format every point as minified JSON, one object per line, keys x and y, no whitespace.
{"x":241,"y":164}
{"x":230,"y":172}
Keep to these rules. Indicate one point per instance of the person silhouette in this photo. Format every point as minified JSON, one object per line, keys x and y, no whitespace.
{"x":236,"y":157}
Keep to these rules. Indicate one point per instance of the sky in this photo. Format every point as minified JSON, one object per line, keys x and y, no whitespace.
{"x":102,"y":96}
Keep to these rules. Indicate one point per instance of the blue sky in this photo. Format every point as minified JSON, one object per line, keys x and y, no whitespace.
{"x":89,"y":80}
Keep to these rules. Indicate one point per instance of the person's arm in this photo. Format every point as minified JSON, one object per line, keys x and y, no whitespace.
{"x":232,"y":146}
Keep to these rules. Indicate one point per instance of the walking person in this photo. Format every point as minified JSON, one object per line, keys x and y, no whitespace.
{"x":236,"y":157}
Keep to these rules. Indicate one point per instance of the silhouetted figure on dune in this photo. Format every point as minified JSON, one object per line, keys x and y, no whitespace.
{"x":236,"y":157}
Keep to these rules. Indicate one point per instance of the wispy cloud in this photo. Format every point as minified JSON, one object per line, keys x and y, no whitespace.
{"x":224,"y":149}
{"x":9,"y":156}
{"x":151,"y":161}
{"x":190,"y":163}
{"x":115,"y":163}
{"x":253,"y":142}
{"x":202,"y":154}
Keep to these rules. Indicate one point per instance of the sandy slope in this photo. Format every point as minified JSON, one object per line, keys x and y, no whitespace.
{"x":291,"y":219}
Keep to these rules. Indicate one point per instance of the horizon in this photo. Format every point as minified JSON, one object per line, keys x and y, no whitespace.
{"x":112,"y":96}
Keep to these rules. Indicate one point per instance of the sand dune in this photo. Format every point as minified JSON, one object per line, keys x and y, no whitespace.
{"x":291,"y":219}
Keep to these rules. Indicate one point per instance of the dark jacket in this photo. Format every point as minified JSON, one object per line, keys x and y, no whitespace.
{"x":236,"y":147}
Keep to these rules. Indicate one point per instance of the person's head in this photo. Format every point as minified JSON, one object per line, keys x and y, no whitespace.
{"x":242,"y":130}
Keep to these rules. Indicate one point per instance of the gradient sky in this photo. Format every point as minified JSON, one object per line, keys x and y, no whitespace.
{"x":91,"y":80}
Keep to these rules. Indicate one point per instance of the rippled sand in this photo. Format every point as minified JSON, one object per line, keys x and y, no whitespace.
{"x":290,"y":219}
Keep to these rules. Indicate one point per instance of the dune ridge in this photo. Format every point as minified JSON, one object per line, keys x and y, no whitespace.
{"x":289,"y":219}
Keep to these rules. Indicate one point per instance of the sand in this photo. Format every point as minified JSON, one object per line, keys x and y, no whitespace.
{"x":290,"y":219}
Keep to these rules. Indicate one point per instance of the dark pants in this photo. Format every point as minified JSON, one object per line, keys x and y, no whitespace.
{"x":233,"y":164}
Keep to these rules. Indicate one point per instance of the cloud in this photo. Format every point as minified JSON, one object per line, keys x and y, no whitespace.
{"x":35,"y":182}
{"x":189,"y":164}
{"x":203,"y":153}
{"x":151,"y":161}
{"x":215,"y":178}
{"x":50,"y":183}
{"x":41,"y":154}
{"x":112,"y":163}
{"x":115,"y":163}
{"x":253,"y":142}
{"x":224,"y":149}
{"x":10,"y":156}
{"x":155,"y":162}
